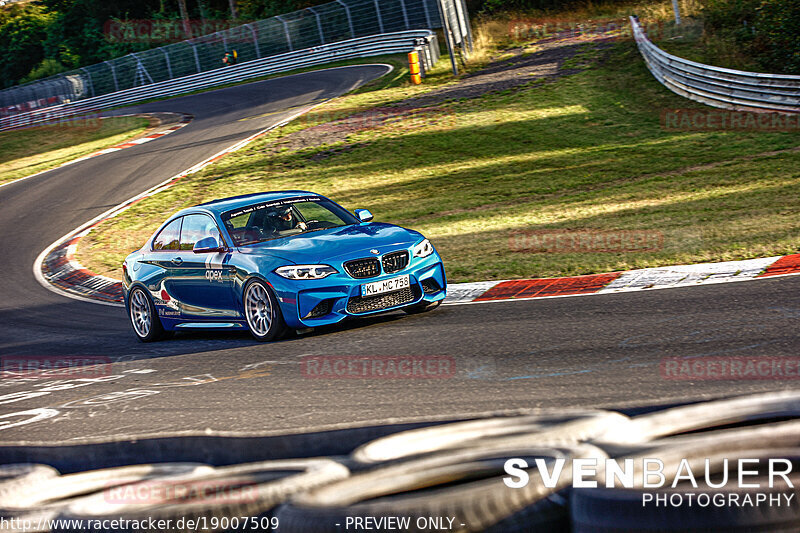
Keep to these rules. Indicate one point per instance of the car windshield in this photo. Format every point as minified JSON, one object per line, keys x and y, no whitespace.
{"x":274,"y":219}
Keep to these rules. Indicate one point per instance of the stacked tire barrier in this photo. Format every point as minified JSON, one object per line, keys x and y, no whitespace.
{"x":423,"y":41}
{"x":719,"y":87}
{"x":429,"y":475}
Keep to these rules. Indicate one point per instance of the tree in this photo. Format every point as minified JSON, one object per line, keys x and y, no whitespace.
{"x":777,"y":29}
{"x":23,"y":29}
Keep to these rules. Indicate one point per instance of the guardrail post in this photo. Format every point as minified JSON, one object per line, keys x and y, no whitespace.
{"x":405,"y":13}
{"x":319,"y":25}
{"x":349,"y":18}
{"x":459,"y":9}
{"x":166,"y":59}
{"x":141,"y":72}
{"x":32,"y":96}
{"x":113,"y":74}
{"x":448,"y":35}
{"x":286,"y":31}
{"x":467,"y":25}
{"x":378,"y":13}
{"x":427,"y":14}
{"x":196,"y":57}
{"x":677,"y":11}
{"x":255,"y":41}
{"x":89,"y":79}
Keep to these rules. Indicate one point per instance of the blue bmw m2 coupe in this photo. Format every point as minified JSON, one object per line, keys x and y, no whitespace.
{"x":273,"y":261}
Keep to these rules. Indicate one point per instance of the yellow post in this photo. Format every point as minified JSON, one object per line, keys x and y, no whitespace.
{"x":413,"y":67}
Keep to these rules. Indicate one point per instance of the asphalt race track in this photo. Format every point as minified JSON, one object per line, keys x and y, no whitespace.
{"x":590,"y":351}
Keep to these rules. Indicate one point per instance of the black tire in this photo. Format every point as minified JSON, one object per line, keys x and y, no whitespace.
{"x":262,"y":312}
{"x":464,"y":485}
{"x":695,"y":419}
{"x":550,"y":427}
{"x":144,"y":318}
{"x":422,"y":307}
{"x":243,"y":492}
{"x":15,"y":477}
{"x":610,"y":510}
{"x":603,"y":510}
{"x":36,"y":493}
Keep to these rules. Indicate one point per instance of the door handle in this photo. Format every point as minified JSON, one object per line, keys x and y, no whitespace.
{"x":177,"y":260}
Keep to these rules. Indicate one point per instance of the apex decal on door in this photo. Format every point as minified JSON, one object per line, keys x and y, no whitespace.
{"x":215,"y":275}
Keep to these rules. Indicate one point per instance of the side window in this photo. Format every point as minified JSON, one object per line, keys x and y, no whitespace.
{"x":239,"y":222}
{"x":195,"y":228}
{"x":169,"y":237}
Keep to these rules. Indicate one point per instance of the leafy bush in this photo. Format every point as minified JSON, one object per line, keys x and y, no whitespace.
{"x":769,"y":30}
{"x":777,"y":26}
{"x":48,"y":67}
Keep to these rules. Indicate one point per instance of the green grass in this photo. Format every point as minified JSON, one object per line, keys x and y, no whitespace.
{"x":586,"y":152}
{"x":28,"y":151}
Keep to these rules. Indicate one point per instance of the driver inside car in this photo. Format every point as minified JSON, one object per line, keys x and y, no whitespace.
{"x":283,"y":219}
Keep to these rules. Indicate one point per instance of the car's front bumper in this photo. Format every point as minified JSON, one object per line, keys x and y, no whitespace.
{"x":311,"y":303}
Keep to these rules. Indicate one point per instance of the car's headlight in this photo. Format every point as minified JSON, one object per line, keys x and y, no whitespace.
{"x":423,"y":249}
{"x":305,"y":271}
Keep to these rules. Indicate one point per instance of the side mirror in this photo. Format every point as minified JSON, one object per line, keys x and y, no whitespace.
{"x":364,"y":215}
{"x":207,"y":245}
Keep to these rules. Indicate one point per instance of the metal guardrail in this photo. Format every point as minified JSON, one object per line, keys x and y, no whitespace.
{"x":716,"y":86}
{"x":322,"y":24}
{"x":423,"y":41}
{"x":204,"y":48}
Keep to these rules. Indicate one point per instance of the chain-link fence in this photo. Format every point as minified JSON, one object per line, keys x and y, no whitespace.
{"x":299,"y":30}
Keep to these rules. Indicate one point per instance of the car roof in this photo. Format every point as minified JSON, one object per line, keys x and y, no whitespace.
{"x":226,"y":204}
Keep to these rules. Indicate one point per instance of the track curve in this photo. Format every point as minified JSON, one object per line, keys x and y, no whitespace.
{"x":583,"y":352}
{"x":37,"y":211}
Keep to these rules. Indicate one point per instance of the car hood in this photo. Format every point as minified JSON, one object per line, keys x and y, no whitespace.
{"x":337,"y":243}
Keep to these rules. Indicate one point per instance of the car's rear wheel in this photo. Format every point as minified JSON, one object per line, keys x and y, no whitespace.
{"x":264,"y":318}
{"x":144,"y":319}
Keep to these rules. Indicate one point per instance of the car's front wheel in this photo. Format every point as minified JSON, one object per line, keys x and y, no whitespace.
{"x":146,"y":324}
{"x":264,"y":318}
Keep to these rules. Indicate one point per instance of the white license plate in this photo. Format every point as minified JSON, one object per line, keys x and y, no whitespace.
{"x":387,"y":285}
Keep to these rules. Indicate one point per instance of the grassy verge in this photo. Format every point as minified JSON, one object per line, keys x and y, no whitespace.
{"x":28,"y":151}
{"x":586,"y":152}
